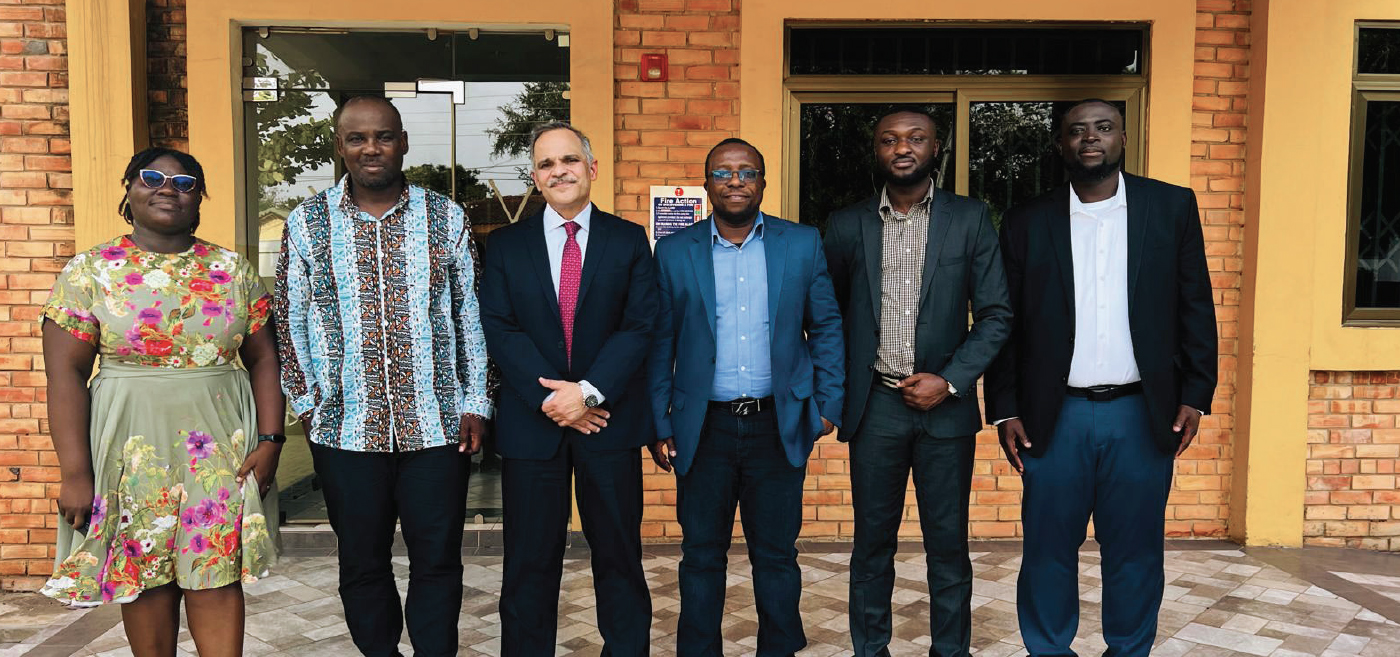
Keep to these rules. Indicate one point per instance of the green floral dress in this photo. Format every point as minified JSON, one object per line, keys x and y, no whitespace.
{"x":172,"y":421}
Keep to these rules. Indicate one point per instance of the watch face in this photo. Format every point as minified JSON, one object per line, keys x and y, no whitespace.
{"x":590,"y":401}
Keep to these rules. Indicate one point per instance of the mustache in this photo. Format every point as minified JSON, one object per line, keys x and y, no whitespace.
{"x":561,"y":180}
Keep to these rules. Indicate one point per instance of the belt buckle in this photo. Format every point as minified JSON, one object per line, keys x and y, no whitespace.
{"x":743,"y":407}
{"x":1101,"y":393}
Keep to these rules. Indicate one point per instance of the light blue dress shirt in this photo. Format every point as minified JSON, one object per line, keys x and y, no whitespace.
{"x":743,"y":365}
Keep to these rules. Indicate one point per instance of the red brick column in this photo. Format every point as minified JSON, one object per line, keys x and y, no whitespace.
{"x":1199,"y":504}
{"x":665,"y":129}
{"x":165,"y":74}
{"x":36,"y":232}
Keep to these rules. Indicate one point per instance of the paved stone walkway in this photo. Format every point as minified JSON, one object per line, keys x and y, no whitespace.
{"x":1220,"y":600}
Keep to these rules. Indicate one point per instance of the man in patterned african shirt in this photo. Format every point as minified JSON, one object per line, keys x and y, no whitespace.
{"x":384,"y":361}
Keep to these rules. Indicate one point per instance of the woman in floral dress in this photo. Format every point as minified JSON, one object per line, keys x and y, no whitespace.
{"x":168,"y":455}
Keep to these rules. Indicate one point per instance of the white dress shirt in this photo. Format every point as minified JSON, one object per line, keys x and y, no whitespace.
{"x":554,"y":238}
{"x":1103,"y":339}
{"x":1103,"y":343}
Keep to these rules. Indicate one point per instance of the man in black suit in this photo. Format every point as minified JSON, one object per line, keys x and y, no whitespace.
{"x":568,"y":299}
{"x":907,"y":264}
{"x":1111,"y":363}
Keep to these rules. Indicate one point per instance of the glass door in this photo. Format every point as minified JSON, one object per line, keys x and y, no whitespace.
{"x":468,"y":101}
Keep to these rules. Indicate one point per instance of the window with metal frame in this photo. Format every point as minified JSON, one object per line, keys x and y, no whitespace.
{"x":992,"y":90}
{"x":1372,"y":284}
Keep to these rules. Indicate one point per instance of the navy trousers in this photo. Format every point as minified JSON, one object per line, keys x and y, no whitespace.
{"x":889,"y":444}
{"x":740,"y":461}
{"x":1101,"y":462}
{"x":537,"y":508}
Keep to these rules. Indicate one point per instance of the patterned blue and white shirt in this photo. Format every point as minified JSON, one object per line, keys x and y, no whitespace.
{"x":378,"y":324}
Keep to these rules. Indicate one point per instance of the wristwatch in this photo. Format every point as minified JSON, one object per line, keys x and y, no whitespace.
{"x":275,"y":438}
{"x":591,"y":401}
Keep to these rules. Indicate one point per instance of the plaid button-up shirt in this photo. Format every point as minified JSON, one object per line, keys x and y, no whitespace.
{"x":378,"y":323}
{"x":904,"y":237}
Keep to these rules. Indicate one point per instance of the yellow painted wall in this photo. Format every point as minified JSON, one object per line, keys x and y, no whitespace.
{"x":1298,"y":151}
{"x":1171,"y":57}
{"x":214,"y":47}
{"x":106,"y":109}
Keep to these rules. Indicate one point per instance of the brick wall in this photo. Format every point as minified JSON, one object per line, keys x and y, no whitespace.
{"x":1199,"y":503}
{"x":663,"y":132}
{"x":1352,"y":498}
{"x":165,"y":74}
{"x":36,"y":233}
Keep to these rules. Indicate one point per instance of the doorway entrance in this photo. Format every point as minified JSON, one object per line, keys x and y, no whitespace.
{"x":468,"y":100}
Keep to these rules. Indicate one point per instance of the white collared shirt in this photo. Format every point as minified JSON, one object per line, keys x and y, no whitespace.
{"x":555,"y":236}
{"x":1103,"y":342}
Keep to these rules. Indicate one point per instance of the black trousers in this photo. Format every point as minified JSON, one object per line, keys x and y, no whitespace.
{"x":740,"y":462}
{"x":426,"y":492}
{"x":536,"y":519}
{"x":888,"y":444}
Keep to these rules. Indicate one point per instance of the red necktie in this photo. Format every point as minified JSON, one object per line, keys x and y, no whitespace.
{"x":570,"y":269}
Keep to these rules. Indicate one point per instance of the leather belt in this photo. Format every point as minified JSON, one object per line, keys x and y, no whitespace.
{"x":887,"y":380}
{"x":1106,"y":393}
{"x":743,"y":406}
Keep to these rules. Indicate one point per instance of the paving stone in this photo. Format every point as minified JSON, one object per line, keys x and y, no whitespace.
{"x":1217,"y":603}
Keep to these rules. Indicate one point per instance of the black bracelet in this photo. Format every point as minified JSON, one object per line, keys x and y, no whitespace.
{"x":275,"y":438}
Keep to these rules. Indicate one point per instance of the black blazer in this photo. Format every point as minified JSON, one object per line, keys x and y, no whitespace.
{"x":1171,"y":312}
{"x":962,"y":266}
{"x":612,"y":330}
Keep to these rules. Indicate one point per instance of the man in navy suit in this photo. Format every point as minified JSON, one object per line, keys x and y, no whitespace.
{"x":740,"y":395}
{"x":1111,"y":363}
{"x":568,"y":297}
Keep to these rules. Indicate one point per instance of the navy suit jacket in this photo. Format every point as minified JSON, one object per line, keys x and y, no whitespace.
{"x":805,"y":341}
{"x":1171,"y":311}
{"x":612,"y":328}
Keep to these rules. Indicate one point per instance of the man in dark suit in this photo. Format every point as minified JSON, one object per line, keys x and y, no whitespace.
{"x":745,"y":376}
{"x":568,"y":299}
{"x":1111,"y":363}
{"x":908,"y":263}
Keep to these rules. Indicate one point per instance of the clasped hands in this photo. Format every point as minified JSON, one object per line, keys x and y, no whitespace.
{"x":566,"y":408}
{"x":923,"y":391}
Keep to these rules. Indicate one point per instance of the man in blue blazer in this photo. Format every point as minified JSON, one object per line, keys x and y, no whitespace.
{"x":746,"y":374}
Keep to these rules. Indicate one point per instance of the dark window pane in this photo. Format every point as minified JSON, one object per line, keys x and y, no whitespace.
{"x":837,"y":158}
{"x":1378,"y":244}
{"x":1011,"y":152}
{"x":497,"y":57}
{"x":1378,"y":50}
{"x":358,"y":61}
{"x":1011,"y":155}
{"x":965,"y":51}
